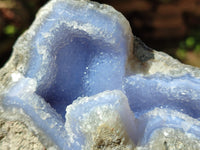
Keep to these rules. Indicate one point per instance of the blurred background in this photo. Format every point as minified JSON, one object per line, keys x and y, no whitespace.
{"x":172,"y":26}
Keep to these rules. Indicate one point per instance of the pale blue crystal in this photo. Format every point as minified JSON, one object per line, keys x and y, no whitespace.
{"x":79,"y":72}
{"x":178,"y":93}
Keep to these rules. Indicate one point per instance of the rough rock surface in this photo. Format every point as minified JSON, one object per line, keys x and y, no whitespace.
{"x":79,"y":72}
{"x":16,"y":135}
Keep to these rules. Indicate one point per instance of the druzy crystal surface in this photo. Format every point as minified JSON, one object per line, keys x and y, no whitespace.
{"x":79,"y":79}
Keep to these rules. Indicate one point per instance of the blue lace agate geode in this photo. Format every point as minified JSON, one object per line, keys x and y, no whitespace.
{"x":85,"y":82}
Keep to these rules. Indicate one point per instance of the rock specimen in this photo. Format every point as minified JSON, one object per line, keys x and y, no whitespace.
{"x":79,"y":79}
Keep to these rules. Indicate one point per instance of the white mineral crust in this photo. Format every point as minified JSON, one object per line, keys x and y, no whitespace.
{"x":92,"y":46}
{"x":103,"y":121}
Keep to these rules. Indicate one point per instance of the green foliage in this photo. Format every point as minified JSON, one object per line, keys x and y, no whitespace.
{"x":197,"y":48}
{"x":10,"y":30}
{"x":191,"y":43}
{"x":181,"y":53}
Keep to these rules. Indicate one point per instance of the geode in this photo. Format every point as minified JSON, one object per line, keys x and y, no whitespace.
{"x":79,"y":79}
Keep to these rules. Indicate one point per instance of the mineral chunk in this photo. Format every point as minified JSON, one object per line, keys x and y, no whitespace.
{"x":79,"y":79}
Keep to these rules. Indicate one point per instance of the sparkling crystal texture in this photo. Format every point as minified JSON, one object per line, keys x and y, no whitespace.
{"x":81,"y":80}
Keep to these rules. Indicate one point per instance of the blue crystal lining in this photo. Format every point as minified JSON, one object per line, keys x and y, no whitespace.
{"x":84,"y":67}
{"x":178,"y":93}
{"x":78,"y":51}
